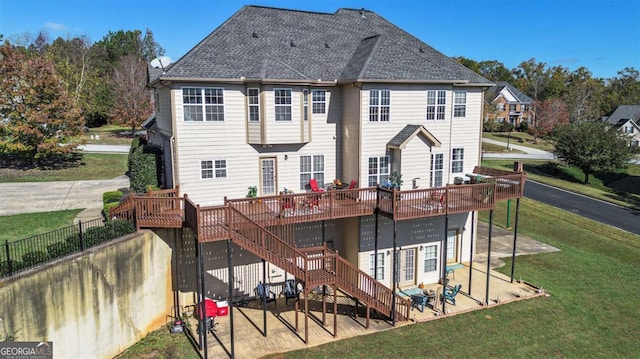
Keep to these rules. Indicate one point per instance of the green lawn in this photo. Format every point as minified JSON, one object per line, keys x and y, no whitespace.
{"x":592,"y":310}
{"x":161,"y":344}
{"x":520,"y":139}
{"x":92,"y":166}
{"x":108,"y":135}
{"x":489,"y":147}
{"x":21,"y":226}
{"x":622,"y":187}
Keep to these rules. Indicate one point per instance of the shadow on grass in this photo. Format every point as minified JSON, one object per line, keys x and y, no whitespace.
{"x":50,"y":162}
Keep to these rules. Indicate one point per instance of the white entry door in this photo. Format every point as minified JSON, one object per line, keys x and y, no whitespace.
{"x":268,"y":174}
{"x":406,"y":267}
{"x":452,"y":246}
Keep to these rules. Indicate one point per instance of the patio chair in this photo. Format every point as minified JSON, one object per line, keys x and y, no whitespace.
{"x":265,"y":294}
{"x":314,"y":186}
{"x":291,"y":290}
{"x":450,"y":294}
{"x":418,"y":301}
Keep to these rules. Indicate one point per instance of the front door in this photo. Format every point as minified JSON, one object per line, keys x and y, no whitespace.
{"x":406,"y":267}
{"x":268,"y":176}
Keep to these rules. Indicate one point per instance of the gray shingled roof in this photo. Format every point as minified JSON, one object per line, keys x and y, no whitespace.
{"x":495,"y":91}
{"x":269,"y":43}
{"x":623,"y":113}
{"x":401,"y":138}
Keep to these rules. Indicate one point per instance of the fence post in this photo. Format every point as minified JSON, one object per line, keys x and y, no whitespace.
{"x":9,"y":264}
{"x":80,"y":236}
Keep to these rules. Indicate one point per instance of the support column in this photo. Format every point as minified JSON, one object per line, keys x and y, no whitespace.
{"x":375,"y":247}
{"x":202,"y":298}
{"x":471,"y":250}
{"x":444,"y":262}
{"x":486,"y":297}
{"x":265,"y":295}
{"x":515,"y":239}
{"x":306,"y":315}
{"x":231,"y":281}
{"x":335,"y":311}
{"x":395,"y":277}
{"x":199,"y":301}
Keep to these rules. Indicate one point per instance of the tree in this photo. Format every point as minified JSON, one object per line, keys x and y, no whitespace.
{"x":593,"y":147}
{"x":37,"y":114}
{"x":624,"y":89}
{"x":495,"y":71}
{"x":551,"y":114}
{"x":583,"y":96}
{"x":129,"y":87}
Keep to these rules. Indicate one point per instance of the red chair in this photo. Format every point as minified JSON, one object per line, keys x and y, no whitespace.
{"x":314,"y":186}
{"x":352,"y":185}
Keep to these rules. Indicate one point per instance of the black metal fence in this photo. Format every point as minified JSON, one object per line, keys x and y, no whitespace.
{"x":26,"y":253}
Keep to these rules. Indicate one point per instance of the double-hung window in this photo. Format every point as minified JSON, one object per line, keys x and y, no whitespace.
{"x":311,"y":167}
{"x":457,"y":160}
{"x":378,"y":170}
{"x":213,"y":169}
{"x":379,"y":105}
{"x":431,"y":258}
{"x":203,"y":104}
{"x":459,"y":103}
{"x":628,"y":129}
{"x":376,"y":267}
{"x":319,"y":99}
{"x":253,"y":100}
{"x":437,"y":169}
{"x":282,"y":99}
{"x":436,"y":104}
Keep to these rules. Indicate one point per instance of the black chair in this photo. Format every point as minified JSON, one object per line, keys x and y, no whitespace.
{"x":291,"y":290}
{"x":265,"y":294}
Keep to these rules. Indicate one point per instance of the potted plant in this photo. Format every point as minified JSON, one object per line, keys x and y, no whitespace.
{"x":396,"y":180}
{"x":253,"y":192}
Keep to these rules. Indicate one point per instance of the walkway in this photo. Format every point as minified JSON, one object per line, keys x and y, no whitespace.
{"x":105,"y":148}
{"x":529,"y":152}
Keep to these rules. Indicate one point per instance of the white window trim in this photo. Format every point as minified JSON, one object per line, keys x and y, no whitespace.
{"x":250,"y":105}
{"x":290,"y":104}
{"x":323,"y":102}
{"x":433,"y":171}
{"x":203,"y":105}
{"x":462,"y":105}
{"x":439,"y":109}
{"x":378,"y":107}
{"x":313,"y":173}
{"x":453,"y":159}
{"x":376,"y":267}
{"x":213,"y":169}
{"x":379,"y":174}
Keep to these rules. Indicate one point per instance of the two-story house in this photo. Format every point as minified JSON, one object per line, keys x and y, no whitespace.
{"x":510,"y":104}
{"x":276,"y":98}
{"x":626,"y":118}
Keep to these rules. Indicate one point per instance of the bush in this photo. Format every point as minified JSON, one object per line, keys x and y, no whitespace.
{"x":60,"y":249}
{"x":32,"y":258}
{"x":144,"y":166}
{"x":106,"y":207}
{"x":112,"y":196}
{"x":113,"y":229}
{"x":506,"y":127}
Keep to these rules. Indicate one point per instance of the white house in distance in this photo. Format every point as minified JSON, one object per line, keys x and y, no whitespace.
{"x":274,"y":98}
{"x":626,"y":118}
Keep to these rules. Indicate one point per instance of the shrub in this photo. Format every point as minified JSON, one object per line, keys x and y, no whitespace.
{"x":111,"y":196}
{"x":32,"y":258}
{"x":144,"y":167}
{"x":506,"y":127}
{"x":106,"y":207}
{"x":60,"y":249}
{"x":112,"y":229}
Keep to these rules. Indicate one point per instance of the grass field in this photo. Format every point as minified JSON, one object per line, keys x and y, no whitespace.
{"x":92,"y":166}
{"x":21,"y":226}
{"x":489,"y":147}
{"x":519,"y":138}
{"x":592,"y":311}
{"x":108,"y":135}
{"x":161,"y":344}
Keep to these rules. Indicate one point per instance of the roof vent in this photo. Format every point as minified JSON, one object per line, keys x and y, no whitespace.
{"x":254,"y":35}
{"x":362,"y":14}
{"x":326,"y":45}
{"x":421,"y":50}
{"x":292,"y":44}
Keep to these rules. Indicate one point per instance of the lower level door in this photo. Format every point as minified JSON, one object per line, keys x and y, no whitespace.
{"x":406,"y":267}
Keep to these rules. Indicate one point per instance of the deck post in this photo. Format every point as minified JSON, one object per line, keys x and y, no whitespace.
{"x":471,"y":249}
{"x":395,"y":277}
{"x":231,"y":281}
{"x":306,"y":315}
{"x":264,"y":298}
{"x":444,"y":261}
{"x":486,"y":295}
{"x":297,"y":309}
{"x":515,"y":239}
{"x":324,"y":305}
{"x":202,"y":298}
{"x":368,"y":315}
{"x":199,"y":301}
{"x":375,"y":246}
{"x":335,"y":310}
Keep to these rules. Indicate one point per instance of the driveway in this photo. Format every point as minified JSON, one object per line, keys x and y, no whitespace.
{"x":31,"y":197}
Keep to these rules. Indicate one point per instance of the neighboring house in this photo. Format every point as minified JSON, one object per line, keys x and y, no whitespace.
{"x":510,"y":104}
{"x":626,"y":118}
{"x":274,"y":98}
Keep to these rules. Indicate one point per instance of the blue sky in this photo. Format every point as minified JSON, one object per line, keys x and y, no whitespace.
{"x":601,"y":35}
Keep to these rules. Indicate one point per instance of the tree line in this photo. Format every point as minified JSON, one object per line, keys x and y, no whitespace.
{"x":52,"y":89}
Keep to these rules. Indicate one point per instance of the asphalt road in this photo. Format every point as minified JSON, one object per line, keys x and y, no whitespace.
{"x":616,"y":216}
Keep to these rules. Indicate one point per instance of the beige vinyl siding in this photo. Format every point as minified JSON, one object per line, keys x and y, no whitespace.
{"x":281,"y":132}
{"x":350,"y":136}
{"x":164,"y":115}
{"x":408,"y":106}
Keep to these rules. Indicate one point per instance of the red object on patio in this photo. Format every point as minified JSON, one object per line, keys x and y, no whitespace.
{"x":210,"y":308}
{"x":223,"y":308}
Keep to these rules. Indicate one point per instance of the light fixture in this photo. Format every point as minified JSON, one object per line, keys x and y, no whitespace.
{"x":286,"y":157}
